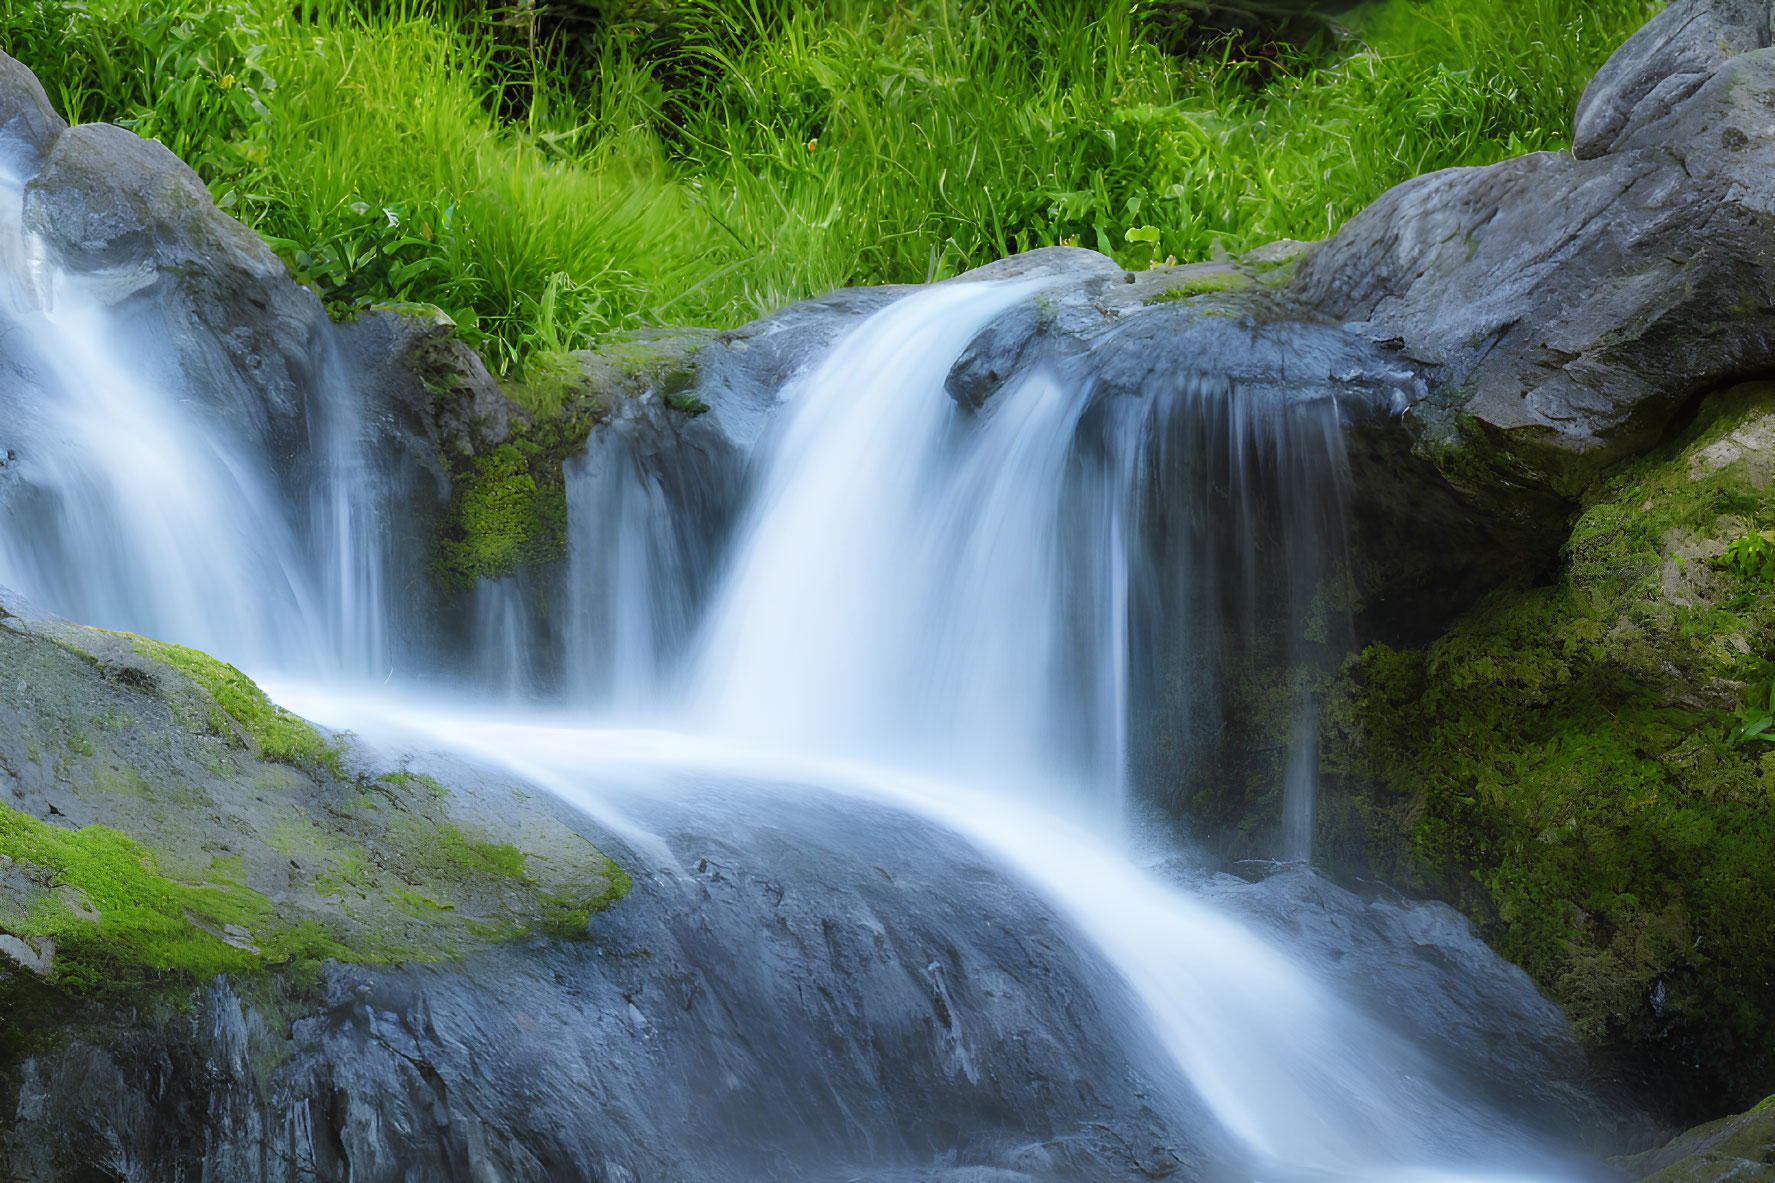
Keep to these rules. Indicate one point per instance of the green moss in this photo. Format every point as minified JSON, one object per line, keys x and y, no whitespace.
{"x":430,"y":783}
{"x":1562,"y":763}
{"x":508,"y":507}
{"x":278,"y":734}
{"x":493,"y":858}
{"x":566,"y":917}
{"x":553,"y":384}
{"x":686,"y":403}
{"x":500,"y":519}
{"x":112,"y":914}
{"x":1218,"y":281}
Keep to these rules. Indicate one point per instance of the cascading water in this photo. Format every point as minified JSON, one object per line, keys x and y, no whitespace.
{"x":923,"y":589}
{"x":941,"y":612}
{"x":140,"y":503}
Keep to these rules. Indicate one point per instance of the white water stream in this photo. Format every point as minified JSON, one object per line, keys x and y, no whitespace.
{"x":921,"y":607}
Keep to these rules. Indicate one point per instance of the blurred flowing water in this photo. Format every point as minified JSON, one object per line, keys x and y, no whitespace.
{"x":141,"y":502}
{"x":936,"y":609}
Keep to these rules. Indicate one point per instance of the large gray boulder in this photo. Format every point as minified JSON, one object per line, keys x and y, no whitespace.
{"x":29,"y":124}
{"x":1567,"y":309}
{"x":1662,"y":65}
{"x":125,"y":210}
{"x":109,"y":198}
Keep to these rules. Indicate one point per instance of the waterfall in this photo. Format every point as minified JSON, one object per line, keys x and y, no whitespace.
{"x":970,"y":616}
{"x":999,"y":592}
{"x":921,"y":585}
{"x":134,"y":500}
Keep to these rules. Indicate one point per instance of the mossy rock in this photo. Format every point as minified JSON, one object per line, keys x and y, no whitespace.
{"x":508,"y":502}
{"x":1567,"y":764}
{"x":1739,"y":1148}
{"x":168,"y":822}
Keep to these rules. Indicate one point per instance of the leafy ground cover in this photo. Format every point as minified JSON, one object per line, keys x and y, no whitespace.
{"x":694,"y":162}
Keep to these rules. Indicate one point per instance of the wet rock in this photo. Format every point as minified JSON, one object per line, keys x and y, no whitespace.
{"x":1541,"y":691}
{"x":1418,"y":966}
{"x":130,"y":215}
{"x":29,"y":125}
{"x":409,"y":359}
{"x":1737,"y":1149}
{"x":37,"y":956}
{"x":1662,"y":65}
{"x":1567,"y":310}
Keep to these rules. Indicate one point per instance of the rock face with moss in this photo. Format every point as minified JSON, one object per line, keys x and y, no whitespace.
{"x":1732,"y":1148}
{"x":165,"y":823}
{"x":1581,"y":763}
{"x":166,"y":817}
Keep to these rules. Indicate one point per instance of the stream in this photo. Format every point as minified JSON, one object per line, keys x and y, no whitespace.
{"x":866,"y":752}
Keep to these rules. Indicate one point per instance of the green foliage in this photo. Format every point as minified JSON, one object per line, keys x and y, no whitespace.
{"x":185,"y":74}
{"x":548,"y":184}
{"x":1751,"y":555}
{"x":279,"y":734}
{"x":1755,"y":720}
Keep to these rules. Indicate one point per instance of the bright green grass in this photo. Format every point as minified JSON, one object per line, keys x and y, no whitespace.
{"x":902,"y":143}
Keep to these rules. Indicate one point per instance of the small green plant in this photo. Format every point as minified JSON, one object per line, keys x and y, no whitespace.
{"x":1755,"y":720}
{"x":1751,"y":556}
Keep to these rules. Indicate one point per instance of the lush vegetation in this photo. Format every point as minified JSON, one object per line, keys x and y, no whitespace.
{"x":701,"y":162}
{"x":1582,"y":764}
{"x":1585,"y":766}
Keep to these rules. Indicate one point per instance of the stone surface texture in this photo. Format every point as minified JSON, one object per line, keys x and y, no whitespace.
{"x":29,"y":124}
{"x":1566,"y":310}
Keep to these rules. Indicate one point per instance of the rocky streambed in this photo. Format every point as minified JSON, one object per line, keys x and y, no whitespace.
{"x":238,"y":945}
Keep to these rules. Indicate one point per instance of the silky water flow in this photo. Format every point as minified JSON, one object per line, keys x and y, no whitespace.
{"x":924,"y":612}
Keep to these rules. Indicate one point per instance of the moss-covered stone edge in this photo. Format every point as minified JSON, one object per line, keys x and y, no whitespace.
{"x":107,"y":925}
{"x":507,"y":509}
{"x":1565,"y":765}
